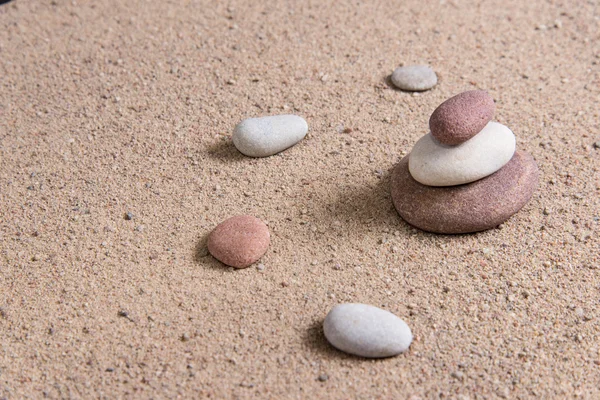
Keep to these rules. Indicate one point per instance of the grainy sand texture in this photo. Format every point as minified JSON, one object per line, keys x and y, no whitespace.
{"x":109,"y":107}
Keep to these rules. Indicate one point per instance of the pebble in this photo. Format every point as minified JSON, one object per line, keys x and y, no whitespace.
{"x":239,"y":241}
{"x":547,"y":211}
{"x":434,"y":164}
{"x":265,"y":136}
{"x":366,"y":331}
{"x":461,"y":117}
{"x":473,"y":207}
{"x":457,"y":375}
{"x":414,"y":78}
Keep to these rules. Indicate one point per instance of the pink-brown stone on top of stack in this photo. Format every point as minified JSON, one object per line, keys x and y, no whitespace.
{"x":461,"y":117}
{"x":239,"y":241}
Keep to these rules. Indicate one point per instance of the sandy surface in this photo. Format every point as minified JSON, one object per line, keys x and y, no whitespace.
{"x":113,"y":106}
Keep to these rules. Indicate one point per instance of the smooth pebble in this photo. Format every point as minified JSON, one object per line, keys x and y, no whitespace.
{"x":414,"y":78}
{"x":239,"y":241}
{"x":265,"y":136}
{"x":461,"y":117}
{"x":473,"y":207}
{"x":435,"y":164}
{"x":366,"y":331}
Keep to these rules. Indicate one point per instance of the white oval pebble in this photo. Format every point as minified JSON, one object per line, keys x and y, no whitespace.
{"x":415,"y":78}
{"x":435,"y":164}
{"x":265,"y":136}
{"x":366,"y":331}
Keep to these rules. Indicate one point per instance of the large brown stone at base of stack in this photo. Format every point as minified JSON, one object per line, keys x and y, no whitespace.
{"x":473,"y":207}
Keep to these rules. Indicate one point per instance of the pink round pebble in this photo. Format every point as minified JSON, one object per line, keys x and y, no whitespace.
{"x":461,"y":117}
{"x":239,"y":241}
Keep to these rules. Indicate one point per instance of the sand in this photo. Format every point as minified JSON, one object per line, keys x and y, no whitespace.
{"x":109,"y":107}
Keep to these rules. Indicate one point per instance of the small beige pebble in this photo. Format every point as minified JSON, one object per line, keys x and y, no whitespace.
{"x":457,"y":375}
{"x":414,"y":78}
{"x":547,"y":211}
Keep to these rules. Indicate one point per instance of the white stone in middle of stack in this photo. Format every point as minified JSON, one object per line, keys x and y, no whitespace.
{"x":435,"y":164}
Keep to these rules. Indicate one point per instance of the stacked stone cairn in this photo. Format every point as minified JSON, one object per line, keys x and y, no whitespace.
{"x":466,"y":174}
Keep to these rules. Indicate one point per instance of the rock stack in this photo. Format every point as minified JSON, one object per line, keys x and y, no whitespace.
{"x":465,"y":175}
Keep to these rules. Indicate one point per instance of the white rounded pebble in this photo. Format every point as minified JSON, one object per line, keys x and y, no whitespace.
{"x":435,"y":164}
{"x":265,"y":136}
{"x":366,"y":331}
{"x":414,"y":78}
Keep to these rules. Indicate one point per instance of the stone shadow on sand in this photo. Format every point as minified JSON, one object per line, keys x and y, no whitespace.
{"x":4,"y":2}
{"x":369,"y":208}
{"x":364,"y":208}
{"x":225,"y":151}
{"x":203,"y":257}
{"x":315,"y":340}
{"x":388,"y":81}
